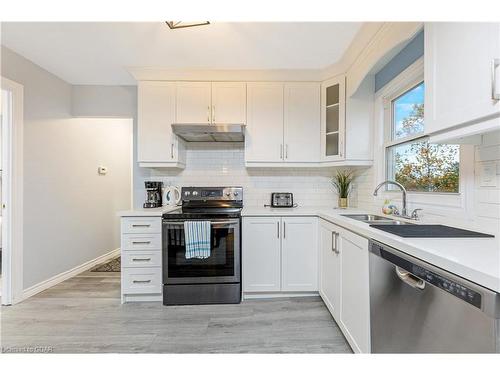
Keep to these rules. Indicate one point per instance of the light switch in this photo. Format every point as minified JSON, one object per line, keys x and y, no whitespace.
{"x":488,"y":174}
{"x":102,"y":170}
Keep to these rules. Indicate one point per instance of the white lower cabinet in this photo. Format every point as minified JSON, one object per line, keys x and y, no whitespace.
{"x":344,"y":282}
{"x":299,"y":254}
{"x":141,"y":268}
{"x":280,"y":254}
{"x":330,"y":277}
{"x":261,"y":254}
{"x":355,"y":306}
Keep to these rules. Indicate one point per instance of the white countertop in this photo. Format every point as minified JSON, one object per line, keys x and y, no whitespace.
{"x":476,"y":259}
{"x":158,"y":212}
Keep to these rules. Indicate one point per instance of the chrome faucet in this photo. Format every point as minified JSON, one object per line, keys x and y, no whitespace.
{"x":404,"y":212}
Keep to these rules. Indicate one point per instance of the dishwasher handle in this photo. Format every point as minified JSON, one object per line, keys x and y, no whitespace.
{"x":410,"y":279}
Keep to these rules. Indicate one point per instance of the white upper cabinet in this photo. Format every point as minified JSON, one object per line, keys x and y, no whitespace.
{"x":156,"y":144}
{"x":264,"y":131}
{"x":211,"y":102}
{"x":229,"y":103}
{"x":333,"y":119}
{"x":462,"y":73}
{"x":302,"y":122}
{"x":299,"y":254}
{"x":194,"y":103}
{"x":283,"y":125}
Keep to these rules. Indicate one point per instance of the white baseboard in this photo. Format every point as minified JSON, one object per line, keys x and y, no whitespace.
{"x":40,"y":287}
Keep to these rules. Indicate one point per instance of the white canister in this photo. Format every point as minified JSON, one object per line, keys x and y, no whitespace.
{"x":171,"y":196}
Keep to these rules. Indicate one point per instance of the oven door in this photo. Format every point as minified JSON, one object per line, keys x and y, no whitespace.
{"x":223,"y":264}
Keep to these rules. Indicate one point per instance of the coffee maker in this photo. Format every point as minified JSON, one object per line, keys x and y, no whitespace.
{"x":153,"y":194}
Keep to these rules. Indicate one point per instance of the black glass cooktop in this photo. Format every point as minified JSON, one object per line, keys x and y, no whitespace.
{"x":428,"y":231}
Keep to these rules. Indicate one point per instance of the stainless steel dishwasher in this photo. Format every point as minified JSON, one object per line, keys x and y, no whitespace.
{"x":418,"y":308}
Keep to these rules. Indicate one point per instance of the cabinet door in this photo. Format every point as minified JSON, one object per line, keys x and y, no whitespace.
{"x":264,"y":132}
{"x":229,"y":103}
{"x":156,"y":112}
{"x":193,"y":102}
{"x":299,"y":254}
{"x":459,"y":58}
{"x":333,"y":119}
{"x":261,"y":254}
{"x":302,"y":122}
{"x":330,"y":271}
{"x":355,"y":306}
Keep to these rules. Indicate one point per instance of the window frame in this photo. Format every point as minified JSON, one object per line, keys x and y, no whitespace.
{"x":403,"y":85}
{"x":438,"y":203}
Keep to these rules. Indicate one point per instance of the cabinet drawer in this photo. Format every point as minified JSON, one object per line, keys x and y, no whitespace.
{"x":141,"y":259}
{"x":141,"y":225}
{"x":141,"y":242}
{"x":141,"y":280}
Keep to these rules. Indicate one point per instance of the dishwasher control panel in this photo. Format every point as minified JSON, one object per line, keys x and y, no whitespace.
{"x":456,"y":289}
{"x":452,"y":287}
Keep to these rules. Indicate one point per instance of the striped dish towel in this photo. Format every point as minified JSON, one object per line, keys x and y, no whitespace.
{"x":197,"y":239}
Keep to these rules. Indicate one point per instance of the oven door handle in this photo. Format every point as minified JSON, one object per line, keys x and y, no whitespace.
{"x":212,"y":223}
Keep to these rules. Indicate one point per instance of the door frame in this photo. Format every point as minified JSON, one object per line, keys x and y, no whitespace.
{"x":12,"y":196}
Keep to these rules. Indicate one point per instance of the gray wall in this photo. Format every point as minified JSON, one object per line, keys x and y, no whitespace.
{"x":69,"y":210}
{"x":407,"y":56}
{"x":115,"y":102}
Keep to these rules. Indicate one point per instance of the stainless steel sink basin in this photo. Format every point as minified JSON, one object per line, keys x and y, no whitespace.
{"x":367,"y":217}
{"x":372,"y":219}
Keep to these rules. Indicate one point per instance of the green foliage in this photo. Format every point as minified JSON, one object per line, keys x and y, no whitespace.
{"x":342,"y":183}
{"x":421,"y":166}
{"x":412,"y":124}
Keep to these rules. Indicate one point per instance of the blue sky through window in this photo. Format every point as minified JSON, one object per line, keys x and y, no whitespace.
{"x":404,"y":108}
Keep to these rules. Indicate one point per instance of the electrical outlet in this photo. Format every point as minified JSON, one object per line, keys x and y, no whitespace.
{"x":488,"y":174}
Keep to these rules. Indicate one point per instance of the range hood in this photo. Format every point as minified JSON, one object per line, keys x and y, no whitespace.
{"x":210,"y":132}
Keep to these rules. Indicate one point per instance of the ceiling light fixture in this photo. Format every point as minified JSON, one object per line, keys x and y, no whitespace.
{"x":183,"y":24}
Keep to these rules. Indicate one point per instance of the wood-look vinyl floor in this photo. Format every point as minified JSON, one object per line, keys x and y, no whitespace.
{"x":84,"y":315}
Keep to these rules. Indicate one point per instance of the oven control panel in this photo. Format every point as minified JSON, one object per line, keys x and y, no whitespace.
{"x":212,"y":193}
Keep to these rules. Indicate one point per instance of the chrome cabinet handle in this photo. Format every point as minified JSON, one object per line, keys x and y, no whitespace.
{"x":284,"y":229}
{"x":286,"y":151}
{"x":281,"y":151}
{"x":141,"y":225}
{"x":208,"y":114}
{"x":410,"y":279}
{"x":278,"y":229}
{"x":141,"y":281}
{"x":172,"y":151}
{"x":495,"y":95}
{"x":335,"y":243}
{"x":141,"y":259}
{"x":213,"y":113}
{"x":141,"y":242}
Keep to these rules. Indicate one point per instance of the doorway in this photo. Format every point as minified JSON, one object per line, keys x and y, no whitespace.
{"x":11,"y":190}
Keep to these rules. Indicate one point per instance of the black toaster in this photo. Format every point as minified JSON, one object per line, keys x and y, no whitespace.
{"x":282,"y":200}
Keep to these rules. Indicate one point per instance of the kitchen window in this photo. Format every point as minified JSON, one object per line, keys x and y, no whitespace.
{"x":411,"y":160}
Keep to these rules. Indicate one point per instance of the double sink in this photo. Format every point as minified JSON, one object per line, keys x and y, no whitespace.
{"x":375,"y":219}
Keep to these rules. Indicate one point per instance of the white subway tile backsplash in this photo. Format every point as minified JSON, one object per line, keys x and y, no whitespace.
{"x":221,"y":164}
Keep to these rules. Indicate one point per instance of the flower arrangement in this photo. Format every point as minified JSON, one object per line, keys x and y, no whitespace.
{"x":342,"y":183}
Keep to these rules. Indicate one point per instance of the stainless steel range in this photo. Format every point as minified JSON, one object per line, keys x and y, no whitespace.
{"x":215,"y":278}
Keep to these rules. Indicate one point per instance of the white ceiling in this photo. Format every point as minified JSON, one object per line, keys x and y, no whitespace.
{"x":98,"y":53}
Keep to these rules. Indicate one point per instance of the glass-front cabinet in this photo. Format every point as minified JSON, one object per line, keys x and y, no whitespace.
{"x":333,"y":119}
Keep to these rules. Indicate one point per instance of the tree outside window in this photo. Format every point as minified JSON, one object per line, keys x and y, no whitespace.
{"x":417,"y":164}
